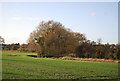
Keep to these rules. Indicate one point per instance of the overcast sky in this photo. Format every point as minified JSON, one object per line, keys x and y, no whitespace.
{"x":94,"y":19}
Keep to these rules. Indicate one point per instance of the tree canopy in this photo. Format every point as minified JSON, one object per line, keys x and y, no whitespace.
{"x":53,"y":39}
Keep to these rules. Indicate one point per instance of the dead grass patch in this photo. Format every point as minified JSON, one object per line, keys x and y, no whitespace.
{"x":90,"y":59}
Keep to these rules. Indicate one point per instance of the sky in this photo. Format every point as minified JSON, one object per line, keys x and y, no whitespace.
{"x":94,"y":19}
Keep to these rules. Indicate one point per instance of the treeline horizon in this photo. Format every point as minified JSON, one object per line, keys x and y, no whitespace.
{"x":52,"y":39}
{"x":86,"y":50}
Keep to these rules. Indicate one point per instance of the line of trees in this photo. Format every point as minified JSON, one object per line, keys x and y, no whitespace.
{"x":52,"y":39}
{"x":4,"y":46}
{"x":15,"y":46}
{"x":103,"y":51}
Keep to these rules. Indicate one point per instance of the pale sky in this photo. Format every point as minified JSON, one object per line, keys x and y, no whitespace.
{"x":94,"y":19}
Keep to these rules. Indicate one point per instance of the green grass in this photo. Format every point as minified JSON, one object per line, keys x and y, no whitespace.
{"x":26,"y":67}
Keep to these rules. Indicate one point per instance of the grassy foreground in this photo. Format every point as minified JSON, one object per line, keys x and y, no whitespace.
{"x":19,"y":65}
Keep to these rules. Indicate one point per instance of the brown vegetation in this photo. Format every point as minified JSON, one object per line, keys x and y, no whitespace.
{"x":90,"y":59}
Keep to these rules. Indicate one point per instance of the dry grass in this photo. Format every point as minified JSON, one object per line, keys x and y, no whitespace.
{"x":90,"y":59}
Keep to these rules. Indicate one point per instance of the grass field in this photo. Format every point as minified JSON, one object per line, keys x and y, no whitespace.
{"x":19,"y":65}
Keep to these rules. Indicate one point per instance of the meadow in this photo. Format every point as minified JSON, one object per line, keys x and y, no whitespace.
{"x":20,"y":65}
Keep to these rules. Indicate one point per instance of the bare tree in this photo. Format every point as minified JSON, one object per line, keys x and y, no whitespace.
{"x":2,"y":40}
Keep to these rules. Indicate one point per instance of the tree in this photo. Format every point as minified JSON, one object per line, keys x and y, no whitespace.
{"x":2,"y":40}
{"x":118,"y":51}
{"x":32,"y":47}
{"x":53,"y":39}
{"x":15,"y":46}
{"x":23,"y":47}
